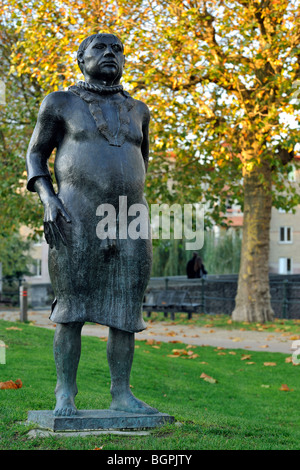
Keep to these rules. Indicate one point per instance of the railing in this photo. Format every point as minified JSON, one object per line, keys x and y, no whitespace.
{"x":216,"y":294}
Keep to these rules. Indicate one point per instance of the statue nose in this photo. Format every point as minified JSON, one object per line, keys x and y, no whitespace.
{"x":108,"y":51}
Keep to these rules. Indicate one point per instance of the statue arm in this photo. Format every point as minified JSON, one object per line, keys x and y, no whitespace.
{"x":46,"y":136}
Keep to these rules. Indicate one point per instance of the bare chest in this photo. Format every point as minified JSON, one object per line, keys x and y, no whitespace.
{"x":115,"y":121}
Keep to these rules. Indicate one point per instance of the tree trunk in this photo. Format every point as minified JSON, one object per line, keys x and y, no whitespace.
{"x":253,"y":300}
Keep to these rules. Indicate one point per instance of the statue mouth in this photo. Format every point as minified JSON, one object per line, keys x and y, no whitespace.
{"x":110,"y":63}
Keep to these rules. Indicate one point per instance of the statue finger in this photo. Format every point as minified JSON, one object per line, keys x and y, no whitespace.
{"x":55,"y":240}
{"x":60,"y":233}
{"x":65,"y":215}
{"x":48,"y":234}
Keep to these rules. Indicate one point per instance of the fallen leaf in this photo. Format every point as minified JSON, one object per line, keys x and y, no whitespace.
{"x":265,"y":386}
{"x":292,"y":338}
{"x":14,"y":328}
{"x":285,"y":388}
{"x":193,"y":356}
{"x":150,"y":341}
{"x":264,"y":346}
{"x":250,"y":363}
{"x":9,"y":384}
{"x":270,"y":364}
{"x":208,"y":378}
{"x":174,"y":341}
{"x":288,"y":359}
{"x":236,"y":339}
{"x":179,"y":352}
{"x":203,"y":375}
{"x":232,"y":353}
{"x":229,"y":322}
{"x":245,"y":357}
{"x":218,"y":348}
{"x":221,"y":353}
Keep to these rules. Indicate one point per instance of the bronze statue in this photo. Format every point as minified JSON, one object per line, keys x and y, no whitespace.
{"x":101,"y":138}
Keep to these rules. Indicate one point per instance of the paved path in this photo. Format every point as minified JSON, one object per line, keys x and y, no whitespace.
{"x":189,"y":334}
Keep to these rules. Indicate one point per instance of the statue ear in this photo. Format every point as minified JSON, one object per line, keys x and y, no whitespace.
{"x":80,"y":57}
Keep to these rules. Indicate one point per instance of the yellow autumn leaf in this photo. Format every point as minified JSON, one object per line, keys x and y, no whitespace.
{"x":245,"y":357}
{"x":208,"y":378}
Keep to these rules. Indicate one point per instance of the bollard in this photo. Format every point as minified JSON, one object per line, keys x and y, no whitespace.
{"x":23,"y":302}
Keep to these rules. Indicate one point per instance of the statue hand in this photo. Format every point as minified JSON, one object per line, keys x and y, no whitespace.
{"x":53,"y":210}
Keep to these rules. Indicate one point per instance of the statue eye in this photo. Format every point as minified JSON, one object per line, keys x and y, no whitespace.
{"x":99,"y":46}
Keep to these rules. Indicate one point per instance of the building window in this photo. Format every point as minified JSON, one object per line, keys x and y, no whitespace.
{"x":37,"y":268}
{"x":285,"y":266}
{"x":285,"y":234}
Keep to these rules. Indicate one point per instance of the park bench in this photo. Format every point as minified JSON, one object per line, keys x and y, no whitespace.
{"x":6,"y":300}
{"x":170,"y":301}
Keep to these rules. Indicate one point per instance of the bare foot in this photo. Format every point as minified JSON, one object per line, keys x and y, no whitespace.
{"x":127,"y":402}
{"x":65,"y":405}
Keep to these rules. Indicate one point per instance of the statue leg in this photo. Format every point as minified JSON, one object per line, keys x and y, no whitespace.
{"x":67,"y":348}
{"x":120,"y":351}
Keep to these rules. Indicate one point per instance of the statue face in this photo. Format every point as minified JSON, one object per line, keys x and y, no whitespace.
{"x":104,"y":59}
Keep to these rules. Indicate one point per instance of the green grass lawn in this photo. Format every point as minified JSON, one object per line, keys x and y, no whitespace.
{"x":244,"y":409}
{"x":279,"y":325}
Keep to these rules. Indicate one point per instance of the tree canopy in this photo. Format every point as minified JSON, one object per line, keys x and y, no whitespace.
{"x":218,"y":77}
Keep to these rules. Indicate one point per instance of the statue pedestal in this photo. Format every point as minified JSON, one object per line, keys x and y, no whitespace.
{"x":96,"y":420}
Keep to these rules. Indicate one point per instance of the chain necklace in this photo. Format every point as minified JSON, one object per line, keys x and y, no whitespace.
{"x":101,"y":89}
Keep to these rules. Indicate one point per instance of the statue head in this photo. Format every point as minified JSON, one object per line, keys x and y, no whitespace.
{"x":101,"y":57}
